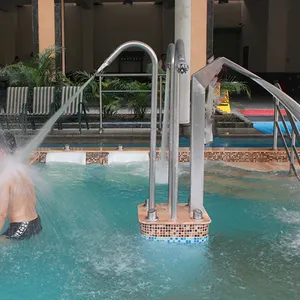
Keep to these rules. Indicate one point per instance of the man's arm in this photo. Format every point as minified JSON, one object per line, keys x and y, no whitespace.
{"x":4,"y":200}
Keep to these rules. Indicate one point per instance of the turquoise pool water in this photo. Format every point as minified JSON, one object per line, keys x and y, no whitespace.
{"x":91,"y":247}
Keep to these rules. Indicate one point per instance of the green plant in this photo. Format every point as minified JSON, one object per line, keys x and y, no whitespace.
{"x":233,"y":86}
{"x":111,"y":102}
{"x":39,"y":71}
{"x":91,"y":92}
{"x":139,"y":102}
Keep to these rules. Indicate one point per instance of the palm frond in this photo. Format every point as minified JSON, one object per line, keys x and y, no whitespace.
{"x":233,"y":86}
{"x":39,"y":71}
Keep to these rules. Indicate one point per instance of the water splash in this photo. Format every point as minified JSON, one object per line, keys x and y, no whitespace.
{"x":38,"y":139}
{"x":162,"y":174}
{"x":13,"y":169}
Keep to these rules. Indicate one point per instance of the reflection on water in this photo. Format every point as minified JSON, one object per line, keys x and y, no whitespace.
{"x":91,"y":247}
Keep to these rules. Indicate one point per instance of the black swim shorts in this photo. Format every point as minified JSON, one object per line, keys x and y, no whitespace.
{"x":23,"y":230}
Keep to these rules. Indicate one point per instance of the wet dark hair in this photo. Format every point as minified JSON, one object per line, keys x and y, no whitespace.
{"x":8,"y":142}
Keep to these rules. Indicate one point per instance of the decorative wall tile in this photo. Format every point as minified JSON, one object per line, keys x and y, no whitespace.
{"x":179,"y":240}
{"x":174,"y":231}
{"x":42,"y":158}
{"x":97,"y":158}
{"x":233,"y":155}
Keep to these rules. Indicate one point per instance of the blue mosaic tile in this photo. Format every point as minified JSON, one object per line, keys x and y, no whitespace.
{"x":187,"y":241}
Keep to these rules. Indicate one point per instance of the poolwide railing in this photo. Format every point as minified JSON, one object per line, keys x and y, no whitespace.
{"x":102,"y":92}
{"x":288,"y":133}
{"x":202,"y":109}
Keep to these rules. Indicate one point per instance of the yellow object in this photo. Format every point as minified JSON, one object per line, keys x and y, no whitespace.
{"x":224,"y":101}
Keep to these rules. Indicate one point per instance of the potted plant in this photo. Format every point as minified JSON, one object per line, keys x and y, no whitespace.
{"x":228,"y":85}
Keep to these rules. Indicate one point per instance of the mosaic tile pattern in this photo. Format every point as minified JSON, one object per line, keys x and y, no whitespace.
{"x":212,"y":155}
{"x":42,"y":158}
{"x":174,"y":230}
{"x":246,"y":156}
{"x":97,"y":158}
{"x":184,"y":156}
{"x":187,"y":241}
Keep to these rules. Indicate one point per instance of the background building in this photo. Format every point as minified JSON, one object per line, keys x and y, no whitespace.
{"x":258,"y":34}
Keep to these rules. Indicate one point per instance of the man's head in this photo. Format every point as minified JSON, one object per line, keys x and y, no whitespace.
{"x":163,"y":57}
{"x":8,"y":143}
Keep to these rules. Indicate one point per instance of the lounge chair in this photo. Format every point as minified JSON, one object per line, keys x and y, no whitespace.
{"x":15,"y":106}
{"x":77,"y":107}
{"x":42,"y":105}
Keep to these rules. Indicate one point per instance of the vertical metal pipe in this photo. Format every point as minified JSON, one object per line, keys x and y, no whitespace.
{"x":292,"y":160}
{"x":275,"y":130}
{"x":171,"y":131}
{"x":197,"y":145}
{"x":166,"y":115}
{"x":153,"y":129}
{"x":100,"y":106}
{"x":175,"y":145}
{"x":152,"y":167}
{"x":160,"y":102}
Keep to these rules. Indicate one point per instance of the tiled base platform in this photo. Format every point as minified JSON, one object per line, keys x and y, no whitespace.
{"x":184,"y":230}
{"x":100,"y":155}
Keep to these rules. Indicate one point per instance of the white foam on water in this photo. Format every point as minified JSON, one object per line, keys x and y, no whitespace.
{"x":289,"y":216}
{"x":290,"y":239}
{"x":127,"y":156}
{"x":67,"y":157}
{"x":162,"y":172}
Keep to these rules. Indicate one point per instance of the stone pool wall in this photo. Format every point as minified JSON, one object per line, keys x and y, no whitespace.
{"x":214,"y":154}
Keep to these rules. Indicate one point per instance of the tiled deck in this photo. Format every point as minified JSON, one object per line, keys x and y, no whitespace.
{"x":273,"y":166}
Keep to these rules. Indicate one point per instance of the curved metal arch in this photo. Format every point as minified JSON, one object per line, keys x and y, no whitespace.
{"x":205,"y":75}
{"x":154,"y":61}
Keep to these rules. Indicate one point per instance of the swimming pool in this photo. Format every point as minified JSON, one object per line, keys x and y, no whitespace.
{"x":91,"y":247}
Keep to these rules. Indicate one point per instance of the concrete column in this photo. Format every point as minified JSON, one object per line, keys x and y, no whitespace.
{"x":87,"y":33}
{"x":255,"y":33}
{"x":35,"y":26}
{"x":167,"y":26}
{"x":48,"y":19}
{"x":277,"y":35}
{"x":198,"y":35}
{"x":293,"y":43}
{"x":46,"y":24}
{"x":59,"y":21}
{"x":210,"y":29}
{"x":191,"y":27}
{"x":8,"y":33}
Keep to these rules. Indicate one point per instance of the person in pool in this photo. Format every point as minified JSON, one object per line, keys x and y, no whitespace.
{"x":17,"y":198}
